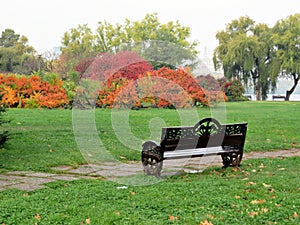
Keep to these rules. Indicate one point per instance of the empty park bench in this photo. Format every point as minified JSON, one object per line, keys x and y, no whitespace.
{"x":207,"y":137}
{"x":278,"y":97}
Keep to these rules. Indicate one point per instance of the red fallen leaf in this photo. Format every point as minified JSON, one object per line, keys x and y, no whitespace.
{"x":173,"y":217}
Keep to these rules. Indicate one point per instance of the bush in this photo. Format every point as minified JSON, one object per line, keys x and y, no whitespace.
{"x":234,"y":90}
{"x":32,"y":92}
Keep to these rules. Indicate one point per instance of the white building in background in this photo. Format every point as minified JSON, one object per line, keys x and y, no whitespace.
{"x":206,"y":66}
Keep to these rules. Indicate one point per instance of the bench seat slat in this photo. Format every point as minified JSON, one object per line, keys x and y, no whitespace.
{"x":188,"y":153}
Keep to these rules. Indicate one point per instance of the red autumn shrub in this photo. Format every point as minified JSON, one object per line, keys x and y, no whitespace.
{"x":126,"y":64}
{"x":127,"y":80}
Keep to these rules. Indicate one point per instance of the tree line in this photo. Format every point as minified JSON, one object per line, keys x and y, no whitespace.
{"x":250,"y":52}
{"x":258,"y":54}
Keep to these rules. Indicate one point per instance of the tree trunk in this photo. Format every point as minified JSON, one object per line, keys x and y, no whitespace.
{"x":289,"y":92}
{"x":258,"y":91}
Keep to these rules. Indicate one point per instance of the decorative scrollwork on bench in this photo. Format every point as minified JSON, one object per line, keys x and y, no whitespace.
{"x":234,"y":129}
{"x":207,"y":126}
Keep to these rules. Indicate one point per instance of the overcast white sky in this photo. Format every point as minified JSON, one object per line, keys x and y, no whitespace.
{"x":45,"y":21}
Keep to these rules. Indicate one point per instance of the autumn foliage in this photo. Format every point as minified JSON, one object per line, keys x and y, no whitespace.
{"x":31,"y":92}
{"x":122,"y":80}
{"x":125,"y":64}
{"x":164,"y":88}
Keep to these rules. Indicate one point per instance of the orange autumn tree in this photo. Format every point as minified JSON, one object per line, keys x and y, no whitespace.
{"x":31,"y":92}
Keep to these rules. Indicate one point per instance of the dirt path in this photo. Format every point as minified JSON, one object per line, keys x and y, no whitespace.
{"x":30,"y":180}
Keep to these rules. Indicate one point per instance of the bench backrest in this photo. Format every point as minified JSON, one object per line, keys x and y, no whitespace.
{"x":201,"y":136}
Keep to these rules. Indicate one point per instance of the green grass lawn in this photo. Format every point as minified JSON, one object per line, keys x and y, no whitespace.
{"x":266,"y":191}
{"x":41,"y":139}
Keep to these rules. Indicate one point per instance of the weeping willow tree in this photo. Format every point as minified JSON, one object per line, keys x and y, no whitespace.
{"x":287,"y":44}
{"x":245,"y":52}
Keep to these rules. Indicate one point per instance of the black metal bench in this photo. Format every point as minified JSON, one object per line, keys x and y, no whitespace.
{"x":278,"y":97}
{"x":207,"y":137}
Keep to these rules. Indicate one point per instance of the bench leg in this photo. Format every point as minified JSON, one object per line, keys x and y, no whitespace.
{"x":232,"y":159}
{"x":152,"y":166}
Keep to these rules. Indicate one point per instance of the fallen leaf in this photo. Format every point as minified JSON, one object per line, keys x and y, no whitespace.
{"x":173,"y":218}
{"x":251,"y":183}
{"x":122,"y":157}
{"x":271,"y":190}
{"x":254,"y":171}
{"x":237,"y":197}
{"x":261,"y":165}
{"x":252,"y":214}
{"x":25,"y":195}
{"x":50,"y":150}
{"x":264,"y":210}
{"x":88,"y":221}
{"x":267,"y":185}
{"x":246,"y":178}
{"x":295,"y":215}
{"x":206,"y":222}
{"x":281,"y":169}
{"x":37,"y":216}
{"x":210,"y":216}
{"x":278,"y":205}
{"x":117,"y":213}
{"x":260,"y":201}
{"x":273,"y":196}
{"x":133,"y":193}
